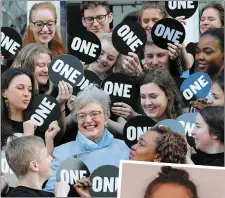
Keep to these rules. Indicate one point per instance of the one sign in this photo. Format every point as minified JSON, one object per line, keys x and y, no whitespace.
{"x":167,"y":31}
{"x":71,"y":170}
{"x":43,"y":110}
{"x":67,"y":68}
{"x":196,"y":86}
{"x":89,"y":79}
{"x":11,"y":42}
{"x":86,"y":46}
{"x":135,"y":127}
{"x":181,"y":8}
{"x":120,"y":87}
{"x":7,"y":172}
{"x":129,"y":37}
{"x":174,"y":125}
{"x":188,"y":122}
{"x":104,"y":181}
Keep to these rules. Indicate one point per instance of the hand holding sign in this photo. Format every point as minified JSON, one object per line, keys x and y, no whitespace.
{"x":52,"y":131}
{"x":124,"y":110}
{"x":131,"y":64}
{"x":29,"y":127}
{"x":200,"y":103}
{"x":82,"y":187}
{"x":65,"y":92}
{"x":61,"y":189}
{"x":70,"y":102}
{"x":174,"y":50}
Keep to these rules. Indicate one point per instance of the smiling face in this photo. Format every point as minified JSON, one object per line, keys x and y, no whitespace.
{"x":209,"y":57}
{"x":18,"y":93}
{"x":106,"y":59}
{"x":203,"y":139}
{"x":41,"y":68}
{"x":156,"y":57}
{"x":217,"y":95}
{"x":210,"y":19}
{"x":43,"y":35}
{"x":97,"y":27}
{"x":154,"y":101}
{"x":149,"y":17}
{"x":92,"y":127}
{"x":145,"y":149}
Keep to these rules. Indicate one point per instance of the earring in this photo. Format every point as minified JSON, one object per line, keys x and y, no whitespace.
{"x":6,"y":102}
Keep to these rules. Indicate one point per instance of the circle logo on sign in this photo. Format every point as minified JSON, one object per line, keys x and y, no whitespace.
{"x":181,"y":8}
{"x":7,"y":172}
{"x":188,"y":122}
{"x":174,"y":125}
{"x":71,"y":170}
{"x":11,"y":42}
{"x":129,"y":37}
{"x":167,"y":31}
{"x":89,"y":79}
{"x":86,"y":46}
{"x":66,"y":67}
{"x":43,"y":110}
{"x":135,"y":127}
{"x":104,"y":181}
{"x":196,"y":86}
{"x":120,"y":87}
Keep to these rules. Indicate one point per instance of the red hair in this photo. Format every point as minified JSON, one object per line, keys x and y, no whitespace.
{"x":55,"y":45}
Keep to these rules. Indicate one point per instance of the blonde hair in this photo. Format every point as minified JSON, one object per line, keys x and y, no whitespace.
{"x":21,"y":151}
{"x":27,"y":59}
{"x":55,"y":45}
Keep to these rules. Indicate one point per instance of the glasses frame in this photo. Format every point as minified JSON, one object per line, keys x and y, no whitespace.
{"x":86,"y":114}
{"x":44,"y":24}
{"x":85,"y":18}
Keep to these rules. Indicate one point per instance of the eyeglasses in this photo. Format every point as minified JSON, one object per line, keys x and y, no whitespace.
{"x":40,"y":24}
{"x":94,"y":115}
{"x":99,"y":18}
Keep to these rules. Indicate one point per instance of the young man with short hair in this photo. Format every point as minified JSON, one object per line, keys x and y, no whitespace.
{"x":28,"y":158}
{"x":96,"y":16}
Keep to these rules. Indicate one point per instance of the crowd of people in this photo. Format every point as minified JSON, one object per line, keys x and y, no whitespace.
{"x":90,"y":127}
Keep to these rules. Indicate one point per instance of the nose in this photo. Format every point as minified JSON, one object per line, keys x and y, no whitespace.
{"x":150,"y":24}
{"x":193,"y":132}
{"x":88,"y":119}
{"x":26,"y":92}
{"x":155,"y":61}
{"x":200,"y":56}
{"x":147,"y":101}
{"x":45,"y":28}
{"x":134,"y":147}
{"x":45,"y":69}
{"x":205,"y":22}
{"x":95,"y":22}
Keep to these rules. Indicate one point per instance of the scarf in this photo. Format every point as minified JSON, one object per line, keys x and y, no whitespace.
{"x":88,"y":145}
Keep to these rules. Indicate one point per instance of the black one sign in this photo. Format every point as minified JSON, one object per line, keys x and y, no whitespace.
{"x":89,"y":79}
{"x":167,"y":31}
{"x":104,"y":181}
{"x":136,"y":127}
{"x":129,"y":37}
{"x":71,"y":170}
{"x":120,"y":87}
{"x":11,"y":42}
{"x":86,"y":46}
{"x":181,"y":8}
{"x":67,"y":68}
{"x":43,"y":110}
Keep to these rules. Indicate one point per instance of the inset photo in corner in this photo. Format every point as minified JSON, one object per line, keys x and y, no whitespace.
{"x":164,"y":180}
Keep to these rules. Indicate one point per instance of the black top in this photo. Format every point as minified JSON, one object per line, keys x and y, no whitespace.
{"x":201,"y":158}
{"x":191,"y":49}
{"x":22,"y":191}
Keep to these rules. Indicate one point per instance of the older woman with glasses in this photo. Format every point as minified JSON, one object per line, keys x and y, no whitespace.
{"x":94,"y":144}
{"x":42,"y":28}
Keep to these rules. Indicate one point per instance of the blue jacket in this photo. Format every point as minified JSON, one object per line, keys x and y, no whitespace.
{"x":110,"y":155}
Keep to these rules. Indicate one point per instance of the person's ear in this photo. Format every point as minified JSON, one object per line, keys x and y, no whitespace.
{"x":157,"y":158}
{"x":110,"y":17}
{"x":215,"y":137}
{"x":83,"y":22}
{"x":33,"y":166}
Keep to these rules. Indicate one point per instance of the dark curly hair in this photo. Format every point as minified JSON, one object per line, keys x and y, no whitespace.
{"x":91,"y":4}
{"x":172,"y":148}
{"x":175,"y":176}
{"x":163,"y":78}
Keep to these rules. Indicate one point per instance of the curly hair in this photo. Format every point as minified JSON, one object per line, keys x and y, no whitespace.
{"x":172,"y":148}
{"x":170,"y":175}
